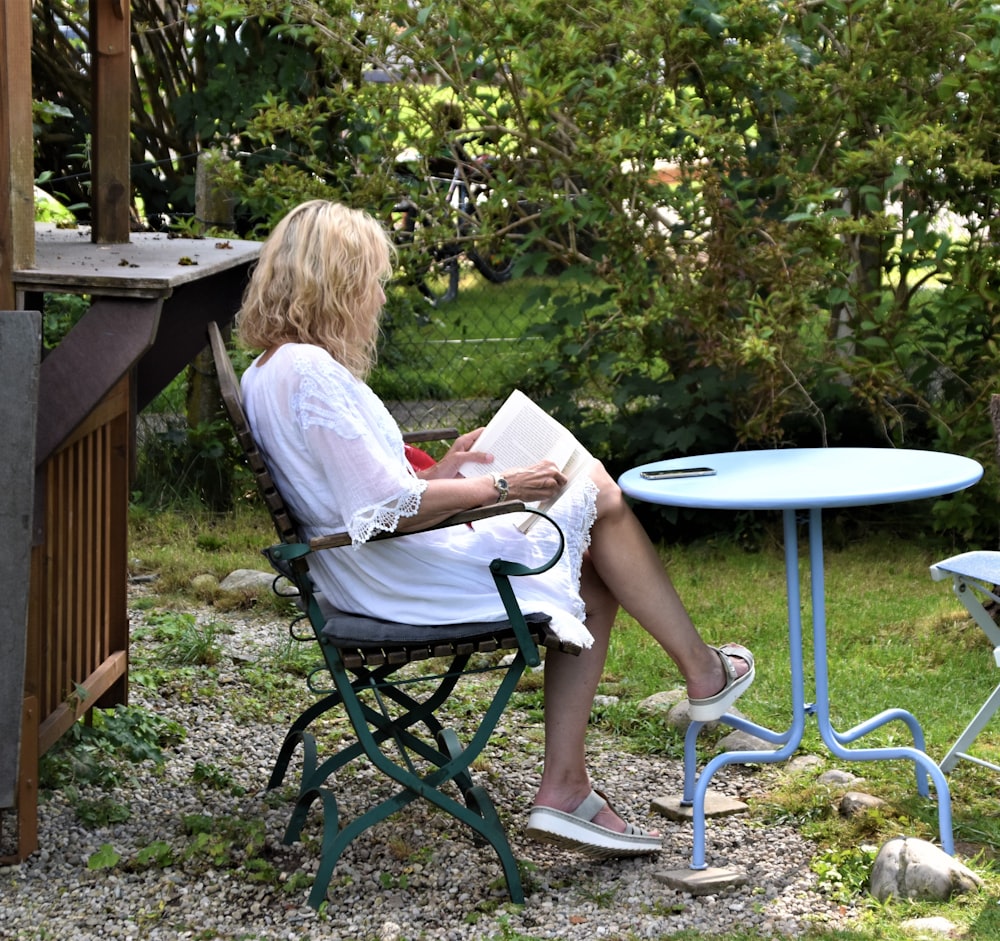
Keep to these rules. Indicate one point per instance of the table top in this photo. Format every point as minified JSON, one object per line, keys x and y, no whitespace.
{"x":804,"y":478}
{"x":150,"y":264}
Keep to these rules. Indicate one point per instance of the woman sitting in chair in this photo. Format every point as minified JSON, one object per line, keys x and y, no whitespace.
{"x":313,"y":307}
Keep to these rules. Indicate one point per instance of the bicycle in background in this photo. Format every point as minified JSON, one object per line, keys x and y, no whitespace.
{"x":441,"y":219}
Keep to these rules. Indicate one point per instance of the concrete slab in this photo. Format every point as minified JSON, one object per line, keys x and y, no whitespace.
{"x":709,"y":881}
{"x":716,"y":805}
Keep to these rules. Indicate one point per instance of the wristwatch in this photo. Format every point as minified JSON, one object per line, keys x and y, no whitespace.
{"x":502,"y":487}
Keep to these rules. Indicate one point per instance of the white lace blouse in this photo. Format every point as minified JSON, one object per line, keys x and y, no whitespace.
{"x":337,"y":457}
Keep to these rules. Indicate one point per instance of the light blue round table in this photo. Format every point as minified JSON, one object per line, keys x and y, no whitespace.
{"x":794,"y":481}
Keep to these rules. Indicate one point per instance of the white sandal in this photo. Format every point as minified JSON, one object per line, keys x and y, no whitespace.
{"x":711,"y":708}
{"x":577,"y":831}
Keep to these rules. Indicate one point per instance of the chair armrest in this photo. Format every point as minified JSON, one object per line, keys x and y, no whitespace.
{"x":334,"y":540}
{"x":430,"y":434}
{"x":288,"y":558}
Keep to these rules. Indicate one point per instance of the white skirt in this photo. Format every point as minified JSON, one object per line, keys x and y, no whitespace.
{"x":443,"y":576}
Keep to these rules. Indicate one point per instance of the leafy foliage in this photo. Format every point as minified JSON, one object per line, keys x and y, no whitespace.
{"x":790,"y":209}
{"x":99,"y":751}
{"x":183,"y":640}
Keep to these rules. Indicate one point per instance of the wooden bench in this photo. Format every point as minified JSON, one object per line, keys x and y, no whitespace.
{"x":398,"y":730}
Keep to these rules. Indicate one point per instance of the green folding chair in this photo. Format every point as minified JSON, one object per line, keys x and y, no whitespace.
{"x":398,"y":717}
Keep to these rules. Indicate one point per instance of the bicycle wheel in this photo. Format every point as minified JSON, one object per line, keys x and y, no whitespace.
{"x":433,"y":270}
{"x":492,"y":254}
{"x":438,"y":282}
{"x":492,"y":261}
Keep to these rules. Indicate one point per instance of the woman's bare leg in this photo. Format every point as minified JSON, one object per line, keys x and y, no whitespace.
{"x":570,"y":684}
{"x":621,"y":567}
{"x":629,"y":565}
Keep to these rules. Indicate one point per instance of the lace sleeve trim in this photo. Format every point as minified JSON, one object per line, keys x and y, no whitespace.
{"x":385,"y":517}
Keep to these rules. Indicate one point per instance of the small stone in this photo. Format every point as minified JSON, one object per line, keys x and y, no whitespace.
{"x":926,"y":926}
{"x":738,"y":740}
{"x":856,"y":803}
{"x":661,"y":702}
{"x":838,"y":778}
{"x":803,"y":763}
{"x":602,"y":702}
{"x":680,"y":717}
{"x":390,"y":931}
{"x":204,"y":583}
{"x":244,"y":579}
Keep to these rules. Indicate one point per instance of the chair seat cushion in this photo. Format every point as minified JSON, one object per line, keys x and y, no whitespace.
{"x":350,"y":630}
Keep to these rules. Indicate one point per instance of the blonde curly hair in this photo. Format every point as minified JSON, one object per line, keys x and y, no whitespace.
{"x":319,"y":280}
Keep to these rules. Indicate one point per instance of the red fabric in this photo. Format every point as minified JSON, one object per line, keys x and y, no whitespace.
{"x":419,"y":460}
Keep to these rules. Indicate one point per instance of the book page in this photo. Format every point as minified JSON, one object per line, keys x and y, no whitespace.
{"x":519,"y":435}
{"x":522,"y":434}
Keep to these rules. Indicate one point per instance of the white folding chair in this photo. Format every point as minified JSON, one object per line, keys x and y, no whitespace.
{"x":974,"y":575}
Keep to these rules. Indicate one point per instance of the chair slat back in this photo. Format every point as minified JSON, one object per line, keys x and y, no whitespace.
{"x":232,"y":399}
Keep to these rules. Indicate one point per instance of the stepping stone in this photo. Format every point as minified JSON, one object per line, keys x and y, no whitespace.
{"x":708,"y":881}
{"x":716,"y":805}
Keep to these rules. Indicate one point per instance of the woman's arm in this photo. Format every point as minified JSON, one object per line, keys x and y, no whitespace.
{"x":445,"y":497}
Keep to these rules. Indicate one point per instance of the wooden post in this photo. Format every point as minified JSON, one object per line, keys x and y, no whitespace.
{"x":213,"y":207}
{"x":111,"y":77}
{"x":213,"y":204}
{"x":17,"y":209}
{"x":20,"y":350}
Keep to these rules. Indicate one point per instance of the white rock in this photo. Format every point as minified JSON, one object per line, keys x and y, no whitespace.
{"x":926,"y":926}
{"x":246,"y":578}
{"x":916,"y":869}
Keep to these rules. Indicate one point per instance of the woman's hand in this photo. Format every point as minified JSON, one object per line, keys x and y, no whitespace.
{"x":535,"y":483}
{"x":458,"y":454}
{"x":527,"y":484}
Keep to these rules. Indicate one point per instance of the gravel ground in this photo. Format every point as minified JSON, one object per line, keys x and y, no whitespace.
{"x":415,"y":876}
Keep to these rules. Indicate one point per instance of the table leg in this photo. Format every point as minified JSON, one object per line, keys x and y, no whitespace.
{"x":836,"y":741}
{"x":696,"y":785}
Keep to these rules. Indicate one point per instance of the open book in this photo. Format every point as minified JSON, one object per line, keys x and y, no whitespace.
{"x":521,"y":434}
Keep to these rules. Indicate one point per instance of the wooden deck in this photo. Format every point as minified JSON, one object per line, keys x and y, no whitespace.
{"x":150,"y":302}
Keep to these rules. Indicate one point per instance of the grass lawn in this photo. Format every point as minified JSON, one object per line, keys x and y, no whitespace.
{"x":474,"y":347}
{"x":895,"y":637}
{"x":468,"y":348}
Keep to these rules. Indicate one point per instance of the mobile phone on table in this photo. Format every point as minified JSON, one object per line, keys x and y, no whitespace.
{"x":672,"y":473}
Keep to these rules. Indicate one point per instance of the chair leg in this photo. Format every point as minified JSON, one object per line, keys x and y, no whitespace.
{"x":384,"y":726}
{"x":449,"y":760}
{"x":965,"y":589}
{"x":297,"y":733}
{"x":482,"y":819}
{"x":958,"y":750}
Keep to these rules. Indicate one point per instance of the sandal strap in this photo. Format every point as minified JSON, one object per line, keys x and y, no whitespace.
{"x":591,"y":806}
{"x":726,"y":652}
{"x":630,"y":828}
{"x":727,"y":666}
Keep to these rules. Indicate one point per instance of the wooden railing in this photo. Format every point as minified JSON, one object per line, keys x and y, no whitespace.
{"x":82,"y":611}
{"x":77,"y":653}
{"x":91,"y":386}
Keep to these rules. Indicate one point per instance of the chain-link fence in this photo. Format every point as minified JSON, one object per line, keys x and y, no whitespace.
{"x":451,"y":362}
